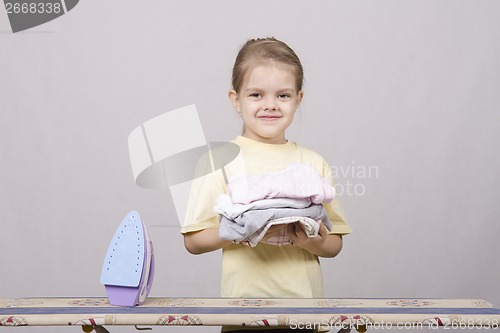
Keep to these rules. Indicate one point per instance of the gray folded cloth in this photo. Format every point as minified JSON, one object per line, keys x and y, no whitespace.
{"x":250,"y":222}
{"x":225,"y":206}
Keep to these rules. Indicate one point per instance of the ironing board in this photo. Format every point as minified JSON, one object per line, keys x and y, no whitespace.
{"x":360,"y":314}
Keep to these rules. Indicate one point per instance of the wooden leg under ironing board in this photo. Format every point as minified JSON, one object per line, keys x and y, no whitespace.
{"x":361,"y":328}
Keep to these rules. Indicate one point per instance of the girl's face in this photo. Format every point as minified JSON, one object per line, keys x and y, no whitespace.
{"x":267,"y":102}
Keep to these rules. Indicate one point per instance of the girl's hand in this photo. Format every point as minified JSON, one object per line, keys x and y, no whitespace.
{"x":323,"y":245}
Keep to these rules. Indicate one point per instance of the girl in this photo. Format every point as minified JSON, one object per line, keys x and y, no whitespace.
{"x":266,"y":92}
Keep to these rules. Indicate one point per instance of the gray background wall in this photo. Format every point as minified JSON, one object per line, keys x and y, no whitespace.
{"x":406,"y":89}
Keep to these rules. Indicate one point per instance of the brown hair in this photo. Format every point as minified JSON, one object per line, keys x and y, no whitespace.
{"x":265,"y":50}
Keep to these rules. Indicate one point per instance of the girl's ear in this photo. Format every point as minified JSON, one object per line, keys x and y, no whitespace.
{"x":233,"y":98}
{"x":300,"y":95}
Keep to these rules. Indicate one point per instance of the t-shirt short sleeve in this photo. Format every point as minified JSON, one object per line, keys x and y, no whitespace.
{"x":334,"y":208}
{"x":200,"y":209}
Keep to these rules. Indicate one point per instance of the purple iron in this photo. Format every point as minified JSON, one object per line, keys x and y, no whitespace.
{"x":128,"y":269}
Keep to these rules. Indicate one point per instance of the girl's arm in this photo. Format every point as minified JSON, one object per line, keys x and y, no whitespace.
{"x":324,"y":245}
{"x":203,"y":241}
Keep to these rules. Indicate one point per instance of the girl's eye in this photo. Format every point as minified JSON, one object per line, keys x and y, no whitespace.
{"x":255,"y":95}
{"x":283,"y":96}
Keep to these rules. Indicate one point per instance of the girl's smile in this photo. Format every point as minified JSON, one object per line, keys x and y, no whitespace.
{"x":268,"y":117}
{"x":267,"y":102}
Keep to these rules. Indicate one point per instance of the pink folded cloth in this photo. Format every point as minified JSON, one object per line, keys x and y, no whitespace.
{"x":296,"y":181}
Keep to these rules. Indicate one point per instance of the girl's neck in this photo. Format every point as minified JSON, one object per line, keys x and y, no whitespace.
{"x":273,"y":141}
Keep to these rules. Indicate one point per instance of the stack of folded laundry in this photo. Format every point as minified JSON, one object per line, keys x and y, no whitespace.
{"x":257,"y":202}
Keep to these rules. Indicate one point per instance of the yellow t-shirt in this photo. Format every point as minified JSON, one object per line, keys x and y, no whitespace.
{"x":265,"y":270}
